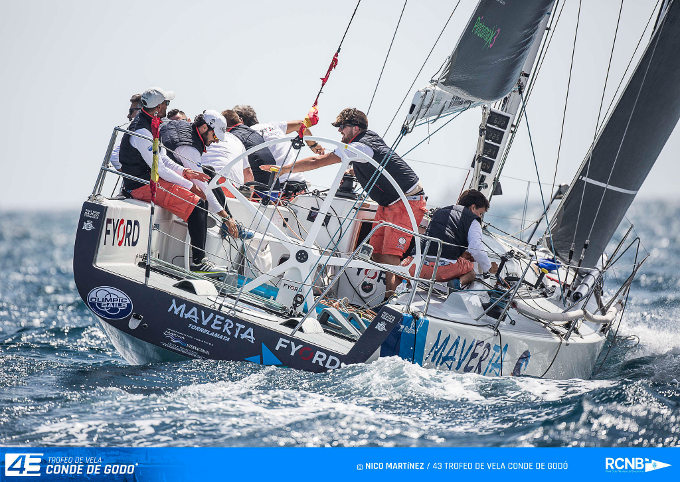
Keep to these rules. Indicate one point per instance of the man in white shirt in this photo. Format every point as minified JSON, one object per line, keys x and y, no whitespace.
{"x":222,"y":153}
{"x":283,"y":153}
{"x":187,"y":143}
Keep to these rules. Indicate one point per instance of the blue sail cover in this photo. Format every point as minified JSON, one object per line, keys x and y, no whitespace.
{"x":626,"y":149}
{"x":488,"y":59}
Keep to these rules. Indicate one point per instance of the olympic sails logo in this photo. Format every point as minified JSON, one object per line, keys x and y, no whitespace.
{"x":633,"y":464}
{"x":109,"y":302}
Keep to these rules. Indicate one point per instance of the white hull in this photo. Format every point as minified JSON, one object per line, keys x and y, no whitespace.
{"x":136,"y":351}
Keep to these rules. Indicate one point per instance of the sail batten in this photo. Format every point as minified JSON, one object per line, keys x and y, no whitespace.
{"x":626,"y":148}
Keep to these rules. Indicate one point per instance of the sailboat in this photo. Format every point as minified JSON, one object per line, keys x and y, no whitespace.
{"x":304,"y":293}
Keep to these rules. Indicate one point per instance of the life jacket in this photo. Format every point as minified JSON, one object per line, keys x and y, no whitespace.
{"x":382,"y":191}
{"x":451,"y":224}
{"x":180,"y":133}
{"x":250,"y":138}
{"x":131,"y":161}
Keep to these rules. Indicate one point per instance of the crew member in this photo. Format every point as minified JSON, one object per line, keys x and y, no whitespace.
{"x":251,"y":138}
{"x":176,"y":114}
{"x":135,"y":107}
{"x":222,"y":153}
{"x":284,"y":155}
{"x":388,"y":243}
{"x":187,"y":143}
{"x":176,"y":191}
{"x":459,"y":226}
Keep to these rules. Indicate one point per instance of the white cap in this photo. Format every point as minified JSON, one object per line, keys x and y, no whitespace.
{"x":155,"y":96}
{"x":216,"y":122}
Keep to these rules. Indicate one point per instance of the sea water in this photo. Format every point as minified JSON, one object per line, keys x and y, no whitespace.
{"x":62,"y":382}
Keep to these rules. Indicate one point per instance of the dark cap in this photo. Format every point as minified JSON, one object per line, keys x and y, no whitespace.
{"x":351,"y":117}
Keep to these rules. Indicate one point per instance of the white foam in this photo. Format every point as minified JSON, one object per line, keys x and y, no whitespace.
{"x":657,"y":335}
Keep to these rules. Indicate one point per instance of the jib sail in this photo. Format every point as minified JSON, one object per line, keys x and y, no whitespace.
{"x":626,"y":148}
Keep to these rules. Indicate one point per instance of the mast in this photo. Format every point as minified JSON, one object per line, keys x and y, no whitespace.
{"x":498,"y":124}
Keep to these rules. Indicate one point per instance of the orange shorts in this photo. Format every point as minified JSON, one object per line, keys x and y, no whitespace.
{"x":387,"y":240}
{"x":447,"y":270}
{"x":173,"y":197}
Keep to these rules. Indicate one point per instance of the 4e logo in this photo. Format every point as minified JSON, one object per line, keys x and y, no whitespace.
{"x":22,"y":465}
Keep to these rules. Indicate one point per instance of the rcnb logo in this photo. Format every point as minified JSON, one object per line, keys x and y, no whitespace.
{"x":633,"y":464}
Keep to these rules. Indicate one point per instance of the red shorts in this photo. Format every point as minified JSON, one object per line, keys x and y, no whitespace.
{"x":173,"y":197}
{"x":447,"y":269}
{"x":387,"y":240}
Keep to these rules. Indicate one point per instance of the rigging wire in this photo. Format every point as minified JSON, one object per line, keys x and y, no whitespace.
{"x":566,"y":99}
{"x":387,"y":56}
{"x":439,"y":164}
{"x":625,"y":131}
{"x":623,"y":312}
{"x":540,"y":187}
{"x":590,"y":153}
{"x":435,"y":131}
{"x":421,"y":68}
{"x":630,"y":62}
{"x":348,"y":25}
{"x":312,"y":116}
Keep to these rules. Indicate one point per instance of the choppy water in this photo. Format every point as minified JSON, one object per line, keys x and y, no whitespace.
{"x":62,"y":383}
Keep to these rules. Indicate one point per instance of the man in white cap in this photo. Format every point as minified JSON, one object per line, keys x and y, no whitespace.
{"x":220,"y":154}
{"x":176,"y":189}
{"x":187,"y":143}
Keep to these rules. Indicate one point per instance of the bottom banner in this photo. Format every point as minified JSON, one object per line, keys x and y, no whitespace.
{"x":341,"y":464}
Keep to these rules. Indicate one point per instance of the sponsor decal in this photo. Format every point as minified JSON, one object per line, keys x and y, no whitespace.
{"x":178,"y":342}
{"x":211,"y":323}
{"x":488,"y":34}
{"x":88,"y":225}
{"x":109,"y":302}
{"x":121,"y":232}
{"x":632,"y":464}
{"x":307,"y":353}
{"x":381,"y":326}
{"x":388,"y":317}
{"x":521,"y":364}
{"x":370,"y":281}
{"x":89,"y":213}
{"x":266,"y":357}
{"x":401,"y":242}
{"x":475,"y":356}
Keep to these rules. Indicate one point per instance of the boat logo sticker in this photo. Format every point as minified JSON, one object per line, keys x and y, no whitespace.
{"x":486,"y":33}
{"x":109,"y":302}
{"x":387,"y":317}
{"x":88,"y":225}
{"x":90,"y":213}
{"x":381,"y":326}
